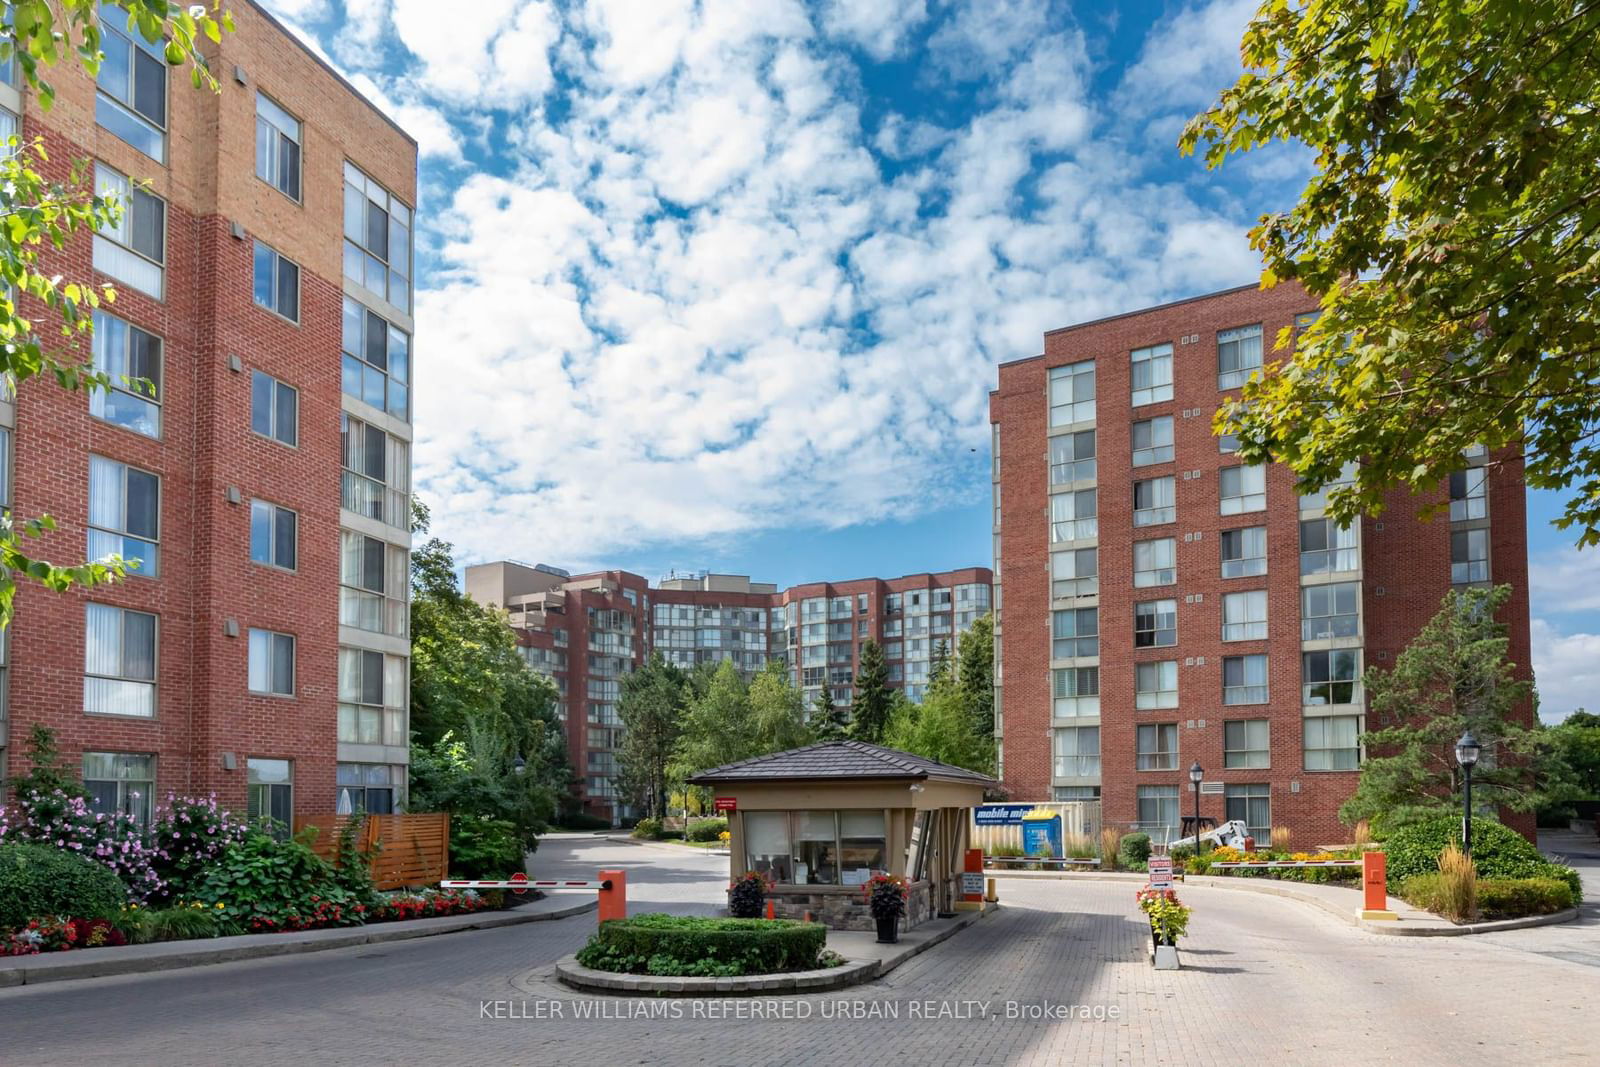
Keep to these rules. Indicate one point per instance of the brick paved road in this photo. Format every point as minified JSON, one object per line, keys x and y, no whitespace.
{"x":1266,"y":980}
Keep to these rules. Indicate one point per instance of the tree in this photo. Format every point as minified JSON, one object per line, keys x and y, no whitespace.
{"x":1453,"y":677}
{"x":940,"y":728}
{"x":1451,"y":234}
{"x":975,"y":673}
{"x":651,"y":709}
{"x":829,"y":722}
{"x":1576,"y":740}
{"x":717,"y":727}
{"x":778,"y":711}
{"x":939,"y":666}
{"x":869,"y":710}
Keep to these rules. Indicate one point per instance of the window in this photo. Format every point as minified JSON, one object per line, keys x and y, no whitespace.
{"x":1469,"y":556}
{"x":1244,"y":552}
{"x":1072,"y":394}
{"x":277,"y":147}
{"x":1155,"y":685}
{"x":1074,"y":633}
{"x":766,"y":844}
{"x":1244,"y":679}
{"x":1227,"y":443}
{"x":1076,"y":691}
{"x":863,"y":845}
{"x":1073,"y":516}
{"x":1077,"y":751}
{"x":377,"y":361}
{"x":1155,"y":624}
{"x":1152,"y":441}
{"x":120,"y":784}
{"x":1152,"y":374}
{"x":272,"y":535}
{"x":274,"y":409}
{"x":368,"y":787}
{"x":124,"y":514}
{"x":134,"y":249}
{"x":1244,"y":616}
{"x":1328,"y":611}
{"x":816,"y":858}
{"x":119,"y":662}
{"x":1252,"y":805}
{"x":1075,"y":573}
{"x":1072,"y":458}
{"x":277,"y":283}
{"x":271,"y":663}
{"x":1326,"y":548}
{"x":1319,"y":499}
{"x":1238,"y":354}
{"x":1156,"y":745}
{"x":377,"y":473}
{"x":132,"y":359}
{"x":377,"y":245}
{"x":1065,"y":794}
{"x":1244,"y":744}
{"x":269,"y":785}
{"x":1243,"y":489}
{"x":132,"y":102}
{"x":1155,"y":562}
{"x":372,"y":694}
{"x":1469,"y":497}
{"x":1331,"y":676}
{"x":1154,"y":502}
{"x":1332,"y":743}
{"x":863,"y":602}
{"x":1158,"y":807}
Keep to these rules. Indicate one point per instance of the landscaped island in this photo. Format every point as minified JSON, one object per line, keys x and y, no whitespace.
{"x":704,"y":947}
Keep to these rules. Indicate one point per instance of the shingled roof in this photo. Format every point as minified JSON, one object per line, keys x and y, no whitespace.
{"x":838,"y":760}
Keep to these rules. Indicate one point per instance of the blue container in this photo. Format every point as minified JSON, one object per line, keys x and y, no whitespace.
{"x":1041,"y":835}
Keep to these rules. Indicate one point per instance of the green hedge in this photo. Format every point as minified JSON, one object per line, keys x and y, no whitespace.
{"x":699,"y":946}
{"x":1497,"y":850}
{"x":1512,"y":898}
{"x":706,"y":830}
{"x":1133,"y":849}
{"x":38,"y":880}
{"x":647,"y":829}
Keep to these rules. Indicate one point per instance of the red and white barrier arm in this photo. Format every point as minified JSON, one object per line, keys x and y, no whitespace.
{"x":523,"y":884}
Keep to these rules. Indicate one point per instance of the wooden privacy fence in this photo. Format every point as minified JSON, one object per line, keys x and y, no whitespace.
{"x":414,"y":849}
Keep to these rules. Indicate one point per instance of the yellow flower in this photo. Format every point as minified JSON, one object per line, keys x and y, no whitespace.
{"x":219,"y":905}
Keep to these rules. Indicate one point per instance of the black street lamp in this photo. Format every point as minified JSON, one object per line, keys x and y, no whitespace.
{"x":1196,"y":774}
{"x":519,"y":766}
{"x":1467,"y":750}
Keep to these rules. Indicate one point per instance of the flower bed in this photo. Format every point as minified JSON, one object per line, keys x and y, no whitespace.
{"x":696,"y":946}
{"x":1341,"y":866}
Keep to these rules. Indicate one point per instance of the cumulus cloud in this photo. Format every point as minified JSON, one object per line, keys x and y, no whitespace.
{"x":1566,"y":667}
{"x":1565,"y":580}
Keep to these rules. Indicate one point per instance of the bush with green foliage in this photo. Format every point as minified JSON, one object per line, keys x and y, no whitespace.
{"x":1135,"y":848}
{"x":582,"y":820}
{"x":63,"y":818}
{"x":41,"y":880}
{"x":747,"y":893}
{"x":706,"y":830}
{"x":647,"y":829}
{"x":481,"y":847}
{"x":700,"y":946}
{"x":268,"y":884}
{"x":1497,"y":850}
{"x":1512,"y":898}
{"x":187,"y":836}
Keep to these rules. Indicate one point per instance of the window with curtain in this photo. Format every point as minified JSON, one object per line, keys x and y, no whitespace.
{"x":863,"y":845}
{"x":1155,"y":685}
{"x":119,"y":663}
{"x":1152,"y":441}
{"x":1244,"y":552}
{"x":1072,"y":457}
{"x":1238,"y":355}
{"x":1075,"y":573}
{"x":1152,"y":374}
{"x":372,"y":689}
{"x":1156,"y":745}
{"x":766,"y":844}
{"x":131,"y":357}
{"x":1332,"y":743}
{"x":1154,"y":501}
{"x":1158,"y":807}
{"x":1244,"y":615}
{"x":1155,"y":562}
{"x":1075,"y":692}
{"x":816,"y":848}
{"x":1077,"y":751}
{"x":120,"y":784}
{"x":1251,"y":805}
{"x":1155,"y":623}
{"x":124,"y":514}
{"x":376,"y":479}
{"x":271,"y":666}
{"x":133,"y":249}
{"x":1244,"y":679}
{"x":277,"y":147}
{"x":1072,"y":394}
{"x":1245,"y":743}
{"x":1243,"y":489}
{"x":372,"y":577}
{"x":1073,"y":516}
{"x":1327,"y":548}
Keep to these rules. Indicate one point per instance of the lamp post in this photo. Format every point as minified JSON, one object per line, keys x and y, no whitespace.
{"x":1196,"y":774}
{"x":519,"y":766}
{"x":1467,"y":750}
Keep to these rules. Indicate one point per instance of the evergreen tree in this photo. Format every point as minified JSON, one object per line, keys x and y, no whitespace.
{"x":829,"y":722}
{"x":975,"y":674}
{"x":939,"y":668}
{"x":651,"y":709}
{"x":869,"y":712}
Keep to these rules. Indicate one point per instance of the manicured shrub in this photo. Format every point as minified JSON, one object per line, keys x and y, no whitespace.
{"x":647,"y":829}
{"x":696,"y":945}
{"x":1134,"y":848}
{"x":483,"y":848}
{"x":41,"y":880}
{"x":1512,"y":898}
{"x":706,"y":830}
{"x":64,"y":820}
{"x":1497,"y":851}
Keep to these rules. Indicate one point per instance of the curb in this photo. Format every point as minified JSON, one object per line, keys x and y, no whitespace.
{"x":671,"y":846}
{"x":174,"y":955}
{"x":854,"y":972}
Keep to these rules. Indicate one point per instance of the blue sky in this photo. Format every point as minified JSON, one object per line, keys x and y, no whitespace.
{"x":723,"y":284}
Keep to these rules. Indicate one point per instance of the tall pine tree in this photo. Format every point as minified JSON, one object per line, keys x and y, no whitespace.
{"x":869,"y":711}
{"x":975,"y":673}
{"x":651,"y":708}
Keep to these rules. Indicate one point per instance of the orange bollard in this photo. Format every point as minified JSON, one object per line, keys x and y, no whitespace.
{"x":772,"y":912}
{"x":808,"y":917}
{"x":614,"y":901}
{"x":1375,"y":887}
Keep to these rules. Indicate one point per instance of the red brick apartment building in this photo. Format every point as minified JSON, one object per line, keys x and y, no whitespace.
{"x":264,"y":286}
{"x":1164,"y":605}
{"x":585,"y":632}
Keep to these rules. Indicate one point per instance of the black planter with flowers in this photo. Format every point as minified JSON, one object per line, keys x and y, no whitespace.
{"x":886,"y":897}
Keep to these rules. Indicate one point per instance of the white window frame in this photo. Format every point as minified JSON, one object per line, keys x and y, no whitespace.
{"x":1242,"y":565}
{"x":1158,"y":440}
{"x":116,"y":365}
{"x":1321,"y":757}
{"x":1244,"y":615}
{"x":1080,"y":762}
{"x":122,"y":678}
{"x":1251,"y":751}
{"x":1234,"y":355}
{"x":1154,"y":364}
{"x":1077,"y":468}
{"x":1249,"y":494}
{"x":1254,"y":680}
{"x":1155,"y":746}
{"x":1155,"y":562}
{"x":101,"y":533}
{"x":1164,"y":673}
{"x":1077,"y":382}
{"x":265,"y":651}
{"x":1074,"y":516}
{"x":1163,"y":507}
{"x":1319,"y":607}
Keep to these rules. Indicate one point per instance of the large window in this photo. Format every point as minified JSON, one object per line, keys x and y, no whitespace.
{"x":1244,"y":679}
{"x":1072,"y":458}
{"x":277,"y":147}
{"x":1075,"y":573}
{"x":124,"y":514}
{"x":132,"y":102}
{"x":1155,"y":562}
{"x":369,"y":787}
{"x":1327,"y":548}
{"x":1469,"y":494}
{"x":1072,"y":394}
{"x":277,"y":282}
{"x":1073,"y":516}
{"x":132,"y":359}
{"x":377,"y":470}
{"x":1245,"y":744}
{"x":1077,"y":751}
{"x":1469,"y":556}
{"x":119,"y":662}
{"x":271,"y":663}
{"x":1319,"y":498}
{"x":1243,"y":489}
{"x":1244,"y":552}
{"x":1332,"y":743}
{"x":1075,"y":691}
{"x":1155,"y":685}
{"x":1238,"y":354}
{"x":816,"y":847}
{"x":1075,"y":632}
{"x":766,"y":844}
{"x":1152,"y":374}
{"x":372,"y":576}
{"x":1156,"y":746}
{"x":372,"y":694}
{"x":377,"y":360}
{"x":1328,"y":611}
{"x":274,"y":409}
{"x":1155,"y":624}
{"x":377,"y":239}
{"x":134,"y":249}
{"x":1252,"y":805}
{"x":1152,"y":441}
{"x":1331,"y":676}
{"x":273,"y":533}
{"x":270,"y":790}
{"x":1158,"y":807}
{"x":1244,"y":616}
{"x":1154,"y":501}
{"x":118,"y":783}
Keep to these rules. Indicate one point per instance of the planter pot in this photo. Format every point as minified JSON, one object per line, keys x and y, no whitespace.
{"x":888,"y":929}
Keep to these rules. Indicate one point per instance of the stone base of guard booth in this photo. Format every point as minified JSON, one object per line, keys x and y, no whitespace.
{"x":844,"y":907}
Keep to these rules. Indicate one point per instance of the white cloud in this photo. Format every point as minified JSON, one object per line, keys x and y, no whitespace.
{"x":1567,"y":670}
{"x":1565,"y":579}
{"x":878,"y":27}
{"x":299,"y":10}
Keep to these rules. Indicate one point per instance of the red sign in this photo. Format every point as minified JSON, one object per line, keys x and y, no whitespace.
{"x":725,"y":804}
{"x":518,"y":877}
